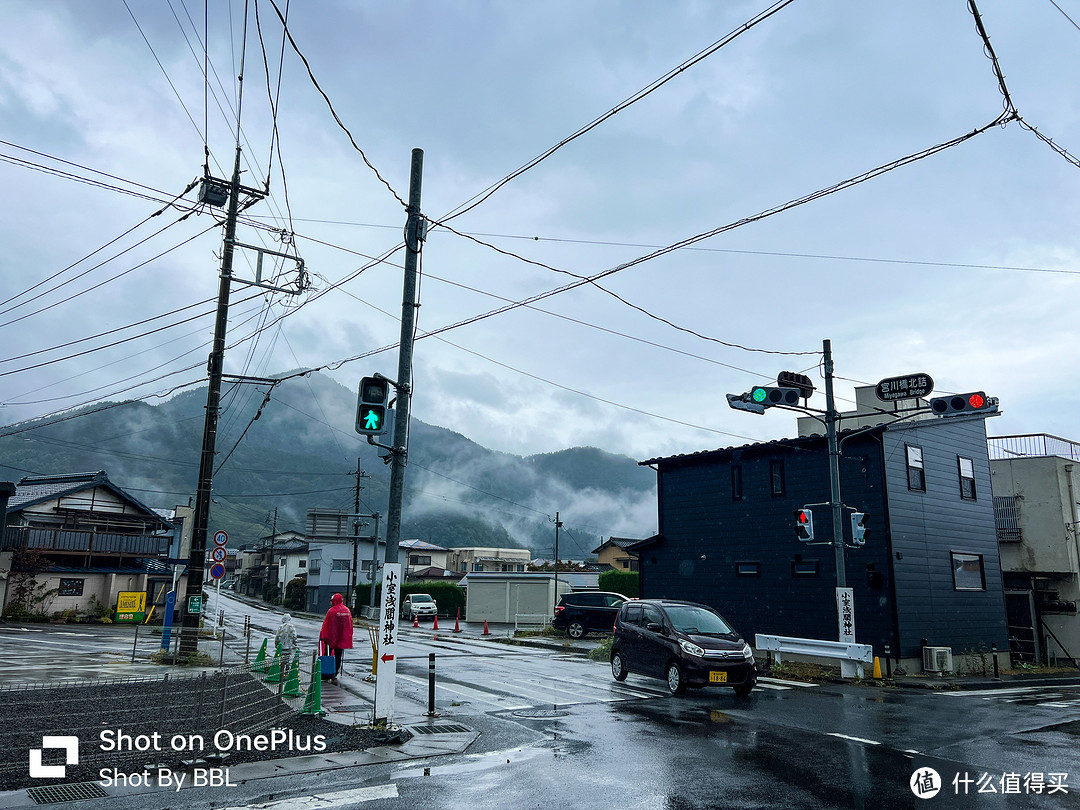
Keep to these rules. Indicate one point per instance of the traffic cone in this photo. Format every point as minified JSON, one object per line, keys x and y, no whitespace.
{"x":877,"y":668}
{"x":260,"y":659}
{"x":486,"y":631}
{"x":273,"y":675}
{"x":292,"y":683}
{"x":457,"y":621}
{"x":313,"y":703}
{"x":436,"y":625}
{"x":415,"y":620}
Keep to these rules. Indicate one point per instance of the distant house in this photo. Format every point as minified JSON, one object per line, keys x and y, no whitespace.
{"x":929,"y":575}
{"x":488,"y":560}
{"x":424,"y":560}
{"x":1036,"y":481}
{"x":332,"y":535}
{"x":614,"y":553}
{"x":84,"y":538}
{"x":266,"y":566}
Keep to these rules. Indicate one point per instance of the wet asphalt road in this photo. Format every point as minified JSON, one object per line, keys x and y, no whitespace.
{"x":557,"y":732}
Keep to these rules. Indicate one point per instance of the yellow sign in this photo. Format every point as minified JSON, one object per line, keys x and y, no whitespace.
{"x":130,"y":602}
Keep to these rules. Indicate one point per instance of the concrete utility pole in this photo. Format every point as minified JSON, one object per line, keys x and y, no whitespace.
{"x":360,"y":474}
{"x":558,"y":525}
{"x":834,"y":469}
{"x":268,"y":585}
{"x":189,"y":635}
{"x":415,"y":233}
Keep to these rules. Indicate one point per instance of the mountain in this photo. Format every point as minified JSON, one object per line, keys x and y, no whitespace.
{"x":299,"y":450}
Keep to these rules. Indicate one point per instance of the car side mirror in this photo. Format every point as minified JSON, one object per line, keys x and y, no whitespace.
{"x":654,"y":627}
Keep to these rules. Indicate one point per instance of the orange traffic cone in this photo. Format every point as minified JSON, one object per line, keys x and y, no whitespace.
{"x":435,"y":626}
{"x":486,"y":631}
{"x":457,"y":621}
{"x":415,"y":620}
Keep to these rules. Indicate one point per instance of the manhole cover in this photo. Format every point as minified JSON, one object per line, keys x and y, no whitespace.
{"x":445,"y":729}
{"x":540,"y":714}
{"x":54,"y":794}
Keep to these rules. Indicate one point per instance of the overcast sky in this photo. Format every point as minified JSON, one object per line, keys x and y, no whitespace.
{"x":962,"y":265}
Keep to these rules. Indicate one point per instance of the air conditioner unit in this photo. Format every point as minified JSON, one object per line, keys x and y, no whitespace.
{"x":937,"y":659}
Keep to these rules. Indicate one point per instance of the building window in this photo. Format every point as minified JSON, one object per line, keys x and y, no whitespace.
{"x":776,"y":476}
{"x":748,"y":569}
{"x":419,"y":559}
{"x":736,"y":483}
{"x":804,"y":568}
{"x":313,"y":568}
{"x":916,"y":477}
{"x":521,"y":569}
{"x":625,"y":562}
{"x":967,"y":572}
{"x":478,"y":566}
{"x":365,"y":565}
{"x":341,"y":565}
{"x":967,"y":478}
{"x":71,"y":587}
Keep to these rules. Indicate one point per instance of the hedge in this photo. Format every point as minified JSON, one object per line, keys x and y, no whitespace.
{"x":447,"y":595}
{"x":624,"y":582}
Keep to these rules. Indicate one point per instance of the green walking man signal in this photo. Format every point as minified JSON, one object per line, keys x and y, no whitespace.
{"x":371,"y":406}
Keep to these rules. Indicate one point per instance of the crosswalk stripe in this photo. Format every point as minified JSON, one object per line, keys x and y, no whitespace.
{"x":489,"y":698}
{"x":326,"y":801}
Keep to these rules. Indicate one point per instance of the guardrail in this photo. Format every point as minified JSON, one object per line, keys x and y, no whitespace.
{"x":851,"y":656}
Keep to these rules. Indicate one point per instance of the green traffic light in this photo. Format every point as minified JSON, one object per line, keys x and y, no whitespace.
{"x":758,"y":394}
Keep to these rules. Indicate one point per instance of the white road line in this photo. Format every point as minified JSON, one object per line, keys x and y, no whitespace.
{"x":853,"y":739}
{"x":981,"y":692}
{"x":324,"y":801}
{"x":772,"y":686}
{"x":786,"y":683}
{"x":489,"y":698}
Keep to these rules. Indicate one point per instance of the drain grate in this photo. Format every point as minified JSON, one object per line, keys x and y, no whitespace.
{"x":54,"y":794}
{"x":440,"y":729}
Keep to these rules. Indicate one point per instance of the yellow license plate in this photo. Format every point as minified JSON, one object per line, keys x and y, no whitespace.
{"x":717,"y":677}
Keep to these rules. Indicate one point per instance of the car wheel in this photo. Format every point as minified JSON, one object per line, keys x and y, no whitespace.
{"x":618,"y":666}
{"x":575,"y":629}
{"x":676,"y":683}
{"x":744,"y":690}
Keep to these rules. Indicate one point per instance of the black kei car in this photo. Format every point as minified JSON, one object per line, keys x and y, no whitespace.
{"x":683,"y":643}
{"x":578,"y":613}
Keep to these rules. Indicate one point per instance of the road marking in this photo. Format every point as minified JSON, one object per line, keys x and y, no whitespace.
{"x":853,"y":739}
{"x":472,"y":694}
{"x":786,"y":683}
{"x":772,"y":686}
{"x":982,"y":692}
{"x":323,"y":801}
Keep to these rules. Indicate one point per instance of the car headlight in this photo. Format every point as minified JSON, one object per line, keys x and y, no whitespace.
{"x":748,"y":653}
{"x":690,"y":648}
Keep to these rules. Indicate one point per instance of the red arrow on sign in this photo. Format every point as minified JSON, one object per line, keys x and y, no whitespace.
{"x":387,"y":657}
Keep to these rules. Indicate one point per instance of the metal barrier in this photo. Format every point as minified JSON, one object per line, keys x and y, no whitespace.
{"x":531,"y":620}
{"x":851,"y":656}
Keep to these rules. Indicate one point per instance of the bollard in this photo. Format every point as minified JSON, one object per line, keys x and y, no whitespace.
{"x":221,"y":658}
{"x":247,"y":635}
{"x":431,"y":685}
{"x":888,"y":662}
{"x":993,"y":652}
{"x":135,"y":643}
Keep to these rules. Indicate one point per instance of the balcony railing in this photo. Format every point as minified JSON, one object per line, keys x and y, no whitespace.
{"x":85,"y":542}
{"x":1032,"y":444}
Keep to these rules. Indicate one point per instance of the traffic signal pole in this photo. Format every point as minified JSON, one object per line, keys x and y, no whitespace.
{"x":834,"y":469}
{"x":414,"y":237}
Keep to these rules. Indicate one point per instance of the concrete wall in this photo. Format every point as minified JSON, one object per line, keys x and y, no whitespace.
{"x":1042,"y":488}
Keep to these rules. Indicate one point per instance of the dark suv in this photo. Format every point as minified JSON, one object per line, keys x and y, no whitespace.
{"x":684,"y":643}
{"x":578,"y":613}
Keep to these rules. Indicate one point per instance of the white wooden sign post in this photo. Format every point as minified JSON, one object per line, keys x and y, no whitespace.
{"x":386,"y":675}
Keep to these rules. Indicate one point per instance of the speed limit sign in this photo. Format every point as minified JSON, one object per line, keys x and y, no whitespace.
{"x":221,"y":538}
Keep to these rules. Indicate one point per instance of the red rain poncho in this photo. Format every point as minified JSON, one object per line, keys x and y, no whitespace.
{"x":337,"y":627}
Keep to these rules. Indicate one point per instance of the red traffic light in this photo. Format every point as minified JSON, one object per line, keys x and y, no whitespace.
{"x":960,"y":403}
{"x":976,"y":400}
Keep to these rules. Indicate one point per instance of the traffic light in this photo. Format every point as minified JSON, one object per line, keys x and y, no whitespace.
{"x":767,"y":397}
{"x":860,"y":531}
{"x":960,"y":403}
{"x":804,"y":524}
{"x":371,"y":406}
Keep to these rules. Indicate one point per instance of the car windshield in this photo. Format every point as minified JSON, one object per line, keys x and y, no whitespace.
{"x":421,"y":597}
{"x":696,"y":620}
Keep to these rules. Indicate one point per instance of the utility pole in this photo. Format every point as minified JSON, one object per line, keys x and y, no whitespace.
{"x":189,"y":634}
{"x":268,"y":585}
{"x":834,"y":469}
{"x":360,"y":474}
{"x":374,"y":562}
{"x":558,"y":525}
{"x":415,"y":233}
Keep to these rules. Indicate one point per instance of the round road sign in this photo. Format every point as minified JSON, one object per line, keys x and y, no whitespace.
{"x":218,"y":554}
{"x":221,"y":538}
{"x":217,"y":570}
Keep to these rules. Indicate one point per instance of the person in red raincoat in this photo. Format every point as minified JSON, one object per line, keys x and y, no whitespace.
{"x":337,"y":631}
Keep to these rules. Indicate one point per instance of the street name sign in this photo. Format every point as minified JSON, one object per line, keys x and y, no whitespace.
{"x":908,"y":386}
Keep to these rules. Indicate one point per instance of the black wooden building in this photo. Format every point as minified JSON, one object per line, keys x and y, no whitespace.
{"x":929,"y":574}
